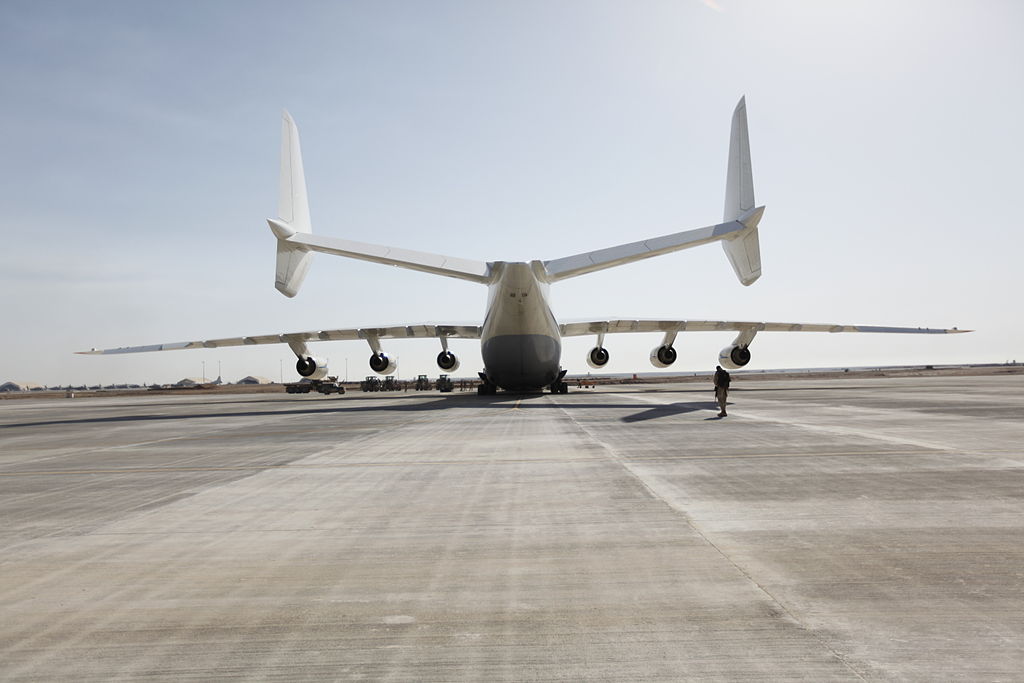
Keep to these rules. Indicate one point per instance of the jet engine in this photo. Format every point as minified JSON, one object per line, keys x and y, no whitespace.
{"x":311,"y":367}
{"x":447,"y":361}
{"x":598,"y":357}
{"x":663,"y":356}
{"x":734,"y":357}
{"x":383,"y":364}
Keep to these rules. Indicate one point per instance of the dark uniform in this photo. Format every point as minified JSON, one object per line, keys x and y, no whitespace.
{"x":722,"y":380}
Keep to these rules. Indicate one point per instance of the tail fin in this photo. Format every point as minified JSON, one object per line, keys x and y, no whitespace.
{"x":743,"y":250}
{"x":293,"y":260}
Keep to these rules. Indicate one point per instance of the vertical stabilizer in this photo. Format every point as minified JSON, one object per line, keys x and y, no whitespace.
{"x":293,"y":260}
{"x":743,"y":250}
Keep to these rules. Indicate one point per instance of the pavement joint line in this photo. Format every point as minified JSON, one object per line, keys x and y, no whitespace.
{"x":689,"y":521}
{"x":298,"y":466}
{"x":654,"y":458}
{"x":833,"y":430}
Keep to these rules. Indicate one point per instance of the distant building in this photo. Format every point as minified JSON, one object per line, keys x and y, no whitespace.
{"x":189,"y":382}
{"x":20,"y":386}
{"x":253,"y":379}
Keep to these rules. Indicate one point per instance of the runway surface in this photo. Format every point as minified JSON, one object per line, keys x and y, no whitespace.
{"x":826,"y":530}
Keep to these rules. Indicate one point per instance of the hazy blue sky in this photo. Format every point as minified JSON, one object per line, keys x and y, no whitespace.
{"x":139,"y":160}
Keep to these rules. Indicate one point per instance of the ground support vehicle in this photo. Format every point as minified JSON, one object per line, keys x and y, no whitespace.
{"x":322,"y":386}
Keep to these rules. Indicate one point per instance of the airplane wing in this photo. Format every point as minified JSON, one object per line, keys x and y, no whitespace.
{"x":579,"y":329}
{"x":396,"y":332}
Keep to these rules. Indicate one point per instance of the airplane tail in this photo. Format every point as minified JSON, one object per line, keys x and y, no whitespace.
{"x":744,"y":248}
{"x":293,"y":260}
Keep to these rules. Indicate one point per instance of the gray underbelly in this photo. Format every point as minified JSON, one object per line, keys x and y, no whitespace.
{"x":522,"y":361}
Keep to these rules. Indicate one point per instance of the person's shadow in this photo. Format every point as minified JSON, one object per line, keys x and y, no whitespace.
{"x":667,"y":411}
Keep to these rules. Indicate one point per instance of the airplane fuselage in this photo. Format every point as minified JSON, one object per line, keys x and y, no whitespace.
{"x":520,"y":341}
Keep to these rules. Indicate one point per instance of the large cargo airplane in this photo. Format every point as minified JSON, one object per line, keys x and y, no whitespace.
{"x":520,"y":339}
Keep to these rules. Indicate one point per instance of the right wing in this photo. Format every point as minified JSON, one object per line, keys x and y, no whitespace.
{"x":367,"y":333}
{"x":579,"y":329}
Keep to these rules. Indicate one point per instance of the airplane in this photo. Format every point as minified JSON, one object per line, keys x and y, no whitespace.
{"x":520,"y":338}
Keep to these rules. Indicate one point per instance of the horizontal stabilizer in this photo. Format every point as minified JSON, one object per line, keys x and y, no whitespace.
{"x":591,"y":261}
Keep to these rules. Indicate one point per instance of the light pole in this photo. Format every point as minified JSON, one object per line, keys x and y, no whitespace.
{"x":204,"y":372}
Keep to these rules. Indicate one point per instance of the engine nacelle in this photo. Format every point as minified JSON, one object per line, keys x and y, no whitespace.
{"x":663,"y":356}
{"x":448,"y":361}
{"x":383,"y":364}
{"x":598,"y":357}
{"x":312,"y":368}
{"x":734,"y":357}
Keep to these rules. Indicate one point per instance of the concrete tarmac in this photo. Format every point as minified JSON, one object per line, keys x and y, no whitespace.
{"x":826,"y":530}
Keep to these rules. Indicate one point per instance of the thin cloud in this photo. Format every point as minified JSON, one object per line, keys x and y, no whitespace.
{"x":711,"y":4}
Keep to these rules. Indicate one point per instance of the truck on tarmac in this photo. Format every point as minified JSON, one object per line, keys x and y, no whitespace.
{"x":327,"y":386}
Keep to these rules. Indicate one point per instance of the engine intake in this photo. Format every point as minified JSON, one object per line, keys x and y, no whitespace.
{"x":663,"y":356}
{"x":448,"y":361}
{"x":734,"y":357}
{"x":311,"y":367}
{"x":598,"y":357}
{"x":383,"y":364}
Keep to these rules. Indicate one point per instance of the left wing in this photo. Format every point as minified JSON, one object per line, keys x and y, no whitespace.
{"x":396,"y":332}
{"x":579,"y":329}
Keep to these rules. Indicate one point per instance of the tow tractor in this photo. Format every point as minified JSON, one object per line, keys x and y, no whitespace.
{"x":326,"y":386}
{"x":371,"y":383}
{"x":444,"y":384}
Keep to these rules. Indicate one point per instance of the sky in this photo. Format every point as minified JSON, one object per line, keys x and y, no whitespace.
{"x":139,"y":162}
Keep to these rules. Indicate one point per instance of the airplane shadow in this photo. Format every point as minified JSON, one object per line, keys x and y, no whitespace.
{"x":503,"y":401}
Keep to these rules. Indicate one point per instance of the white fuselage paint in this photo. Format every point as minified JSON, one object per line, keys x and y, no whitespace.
{"x":520,"y":340}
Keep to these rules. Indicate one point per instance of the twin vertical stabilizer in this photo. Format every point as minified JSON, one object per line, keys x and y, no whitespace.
{"x":293,"y":260}
{"x":296,"y":243}
{"x":743,"y":249}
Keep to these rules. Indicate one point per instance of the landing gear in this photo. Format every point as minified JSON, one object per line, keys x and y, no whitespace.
{"x":486,"y":387}
{"x":559,"y":387}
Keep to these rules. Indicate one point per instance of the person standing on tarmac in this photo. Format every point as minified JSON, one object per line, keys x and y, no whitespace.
{"x":722,"y":380}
